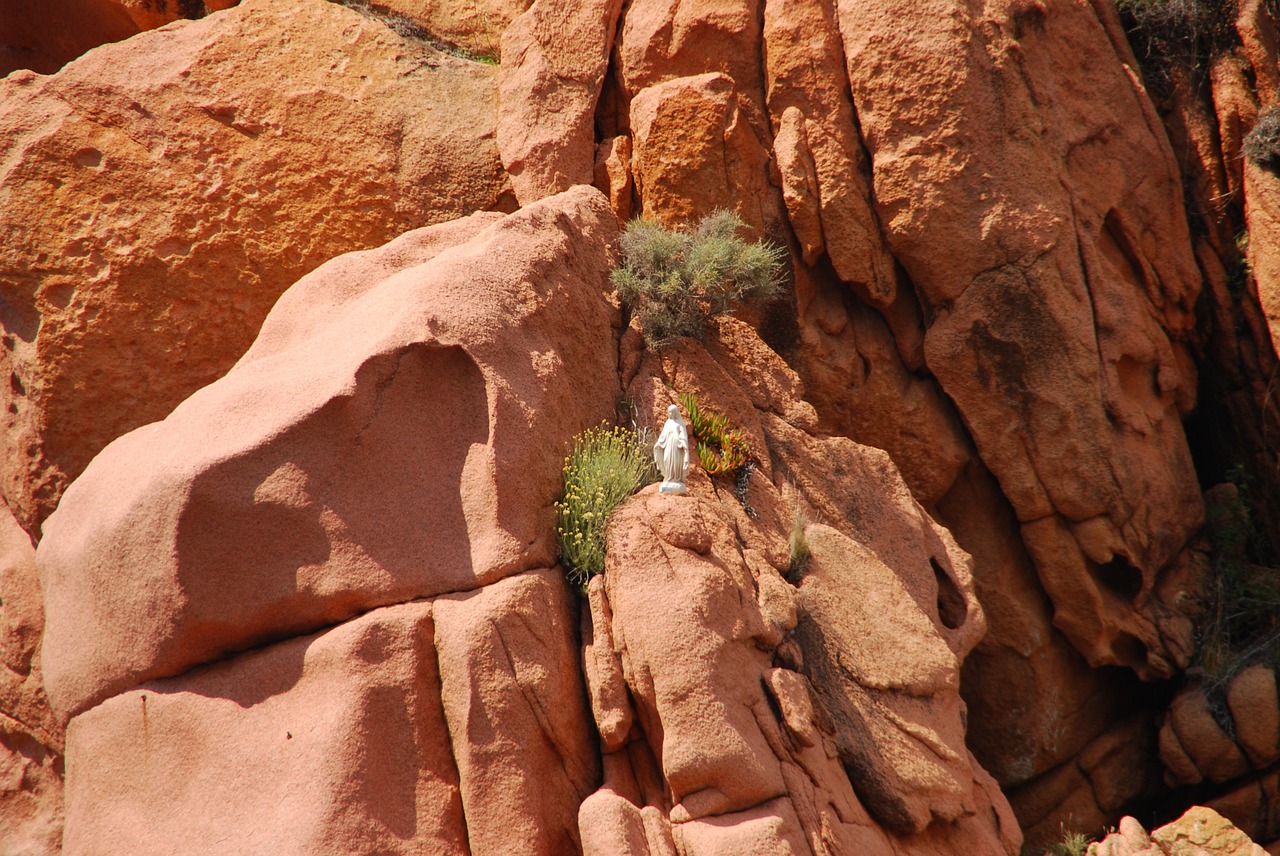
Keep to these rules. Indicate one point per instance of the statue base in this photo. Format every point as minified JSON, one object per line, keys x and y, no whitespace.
{"x":672,"y":487}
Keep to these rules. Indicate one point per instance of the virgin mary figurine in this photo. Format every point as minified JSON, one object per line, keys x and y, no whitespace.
{"x":671,"y":453}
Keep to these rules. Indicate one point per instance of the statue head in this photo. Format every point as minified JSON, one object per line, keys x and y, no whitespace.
{"x":673,"y":412}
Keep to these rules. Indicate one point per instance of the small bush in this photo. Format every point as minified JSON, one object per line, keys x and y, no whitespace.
{"x":675,"y":281}
{"x":606,"y":466}
{"x":798,"y":543}
{"x":1072,"y":844}
{"x":721,"y":449}
{"x":1262,"y":143}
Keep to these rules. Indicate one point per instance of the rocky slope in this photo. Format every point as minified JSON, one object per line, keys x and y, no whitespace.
{"x":1021,"y":335}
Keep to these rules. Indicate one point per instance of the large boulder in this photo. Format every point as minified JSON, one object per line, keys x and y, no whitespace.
{"x":157,"y":196}
{"x":396,"y":432}
{"x":376,"y":736}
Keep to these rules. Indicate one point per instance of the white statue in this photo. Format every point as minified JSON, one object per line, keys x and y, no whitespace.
{"x":671,"y":453}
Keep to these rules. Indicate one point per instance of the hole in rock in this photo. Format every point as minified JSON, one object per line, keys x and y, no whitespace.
{"x":952,"y":609}
{"x":1121,"y":577}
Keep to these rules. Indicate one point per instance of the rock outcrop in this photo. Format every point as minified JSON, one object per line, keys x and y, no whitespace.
{"x":787,"y":708}
{"x":423,"y":394}
{"x":1201,"y":831}
{"x":154,"y":210}
{"x":1023,"y":323}
{"x":31,"y":740}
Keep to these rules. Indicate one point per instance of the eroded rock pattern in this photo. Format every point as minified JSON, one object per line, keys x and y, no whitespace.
{"x":161,"y":193}
{"x":1002,"y":316}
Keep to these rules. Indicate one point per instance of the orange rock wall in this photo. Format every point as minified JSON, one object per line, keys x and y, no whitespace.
{"x":1014,"y":270}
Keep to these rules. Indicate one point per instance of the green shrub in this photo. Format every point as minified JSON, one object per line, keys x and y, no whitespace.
{"x":1262,"y":143}
{"x":606,"y":466}
{"x":722,"y":450}
{"x":1072,"y":844}
{"x":675,"y":281}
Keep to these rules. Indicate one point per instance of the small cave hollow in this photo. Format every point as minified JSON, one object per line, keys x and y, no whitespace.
{"x":952,"y":608}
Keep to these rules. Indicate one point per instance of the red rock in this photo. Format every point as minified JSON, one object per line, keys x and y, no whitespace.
{"x":1216,"y":756}
{"x":31,"y":741}
{"x":321,"y":744}
{"x":1130,"y":839}
{"x":613,"y":174}
{"x":1254,"y":806}
{"x":1237,"y":109}
{"x":699,"y":716}
{"x":517,"y":716}
{"x":474,"y":26}
{"x":397,"y":431}
{"x":44,"y":35}
{"x":31,"y":809}
{"x":703,"y":643}
{"x":611,"y":826}
{"x":700,"y":146}
{"x":824,"y":170}
{"x":864,"y":387}
{"x":554,"y":57}
{"x":770,"y":829}
{"x":890,"y":682}
{"x":131,"y":286}
{"x":606,"y":686}
{"x":1053,"y":307}
{"x":1262,"y":210}
{"x":665,"y":39}
{"x":1255,"y":713}
{"x":1257,"y":31}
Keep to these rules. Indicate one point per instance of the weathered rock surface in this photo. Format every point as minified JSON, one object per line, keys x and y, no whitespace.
{"x":1063,"y":319}
{"x":699,"y":147}
{"x":159,"y":194}
{"x":554,"y":60}
{"x":1199,"y":832}
{"x":753,"y":693}
{"x":397,"y":431}
{"x":995,"y":283}
{"x":320,"y":725}
{"x":475,"y":26}
{"x":345,"y":739}
{"x":31,"y":741}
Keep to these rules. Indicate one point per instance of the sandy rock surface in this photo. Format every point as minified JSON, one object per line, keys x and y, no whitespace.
{"x":162,"y":192}
{"x":421,"y":396}
{"x":1029,"y":309}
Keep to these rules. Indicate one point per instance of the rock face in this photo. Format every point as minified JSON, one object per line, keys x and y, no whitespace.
{"x":44,"y":35}
{"x":155,"y":210}
{"x":434,"y":724}
{"x":261,"y":522}
{"x":1023,"y":321}
{"x":782,"y":713}
{"x":346,"y":735}
{"x":31,"y":741}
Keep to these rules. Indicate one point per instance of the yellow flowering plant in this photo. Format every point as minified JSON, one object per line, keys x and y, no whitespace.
{"x":606,"y":466}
